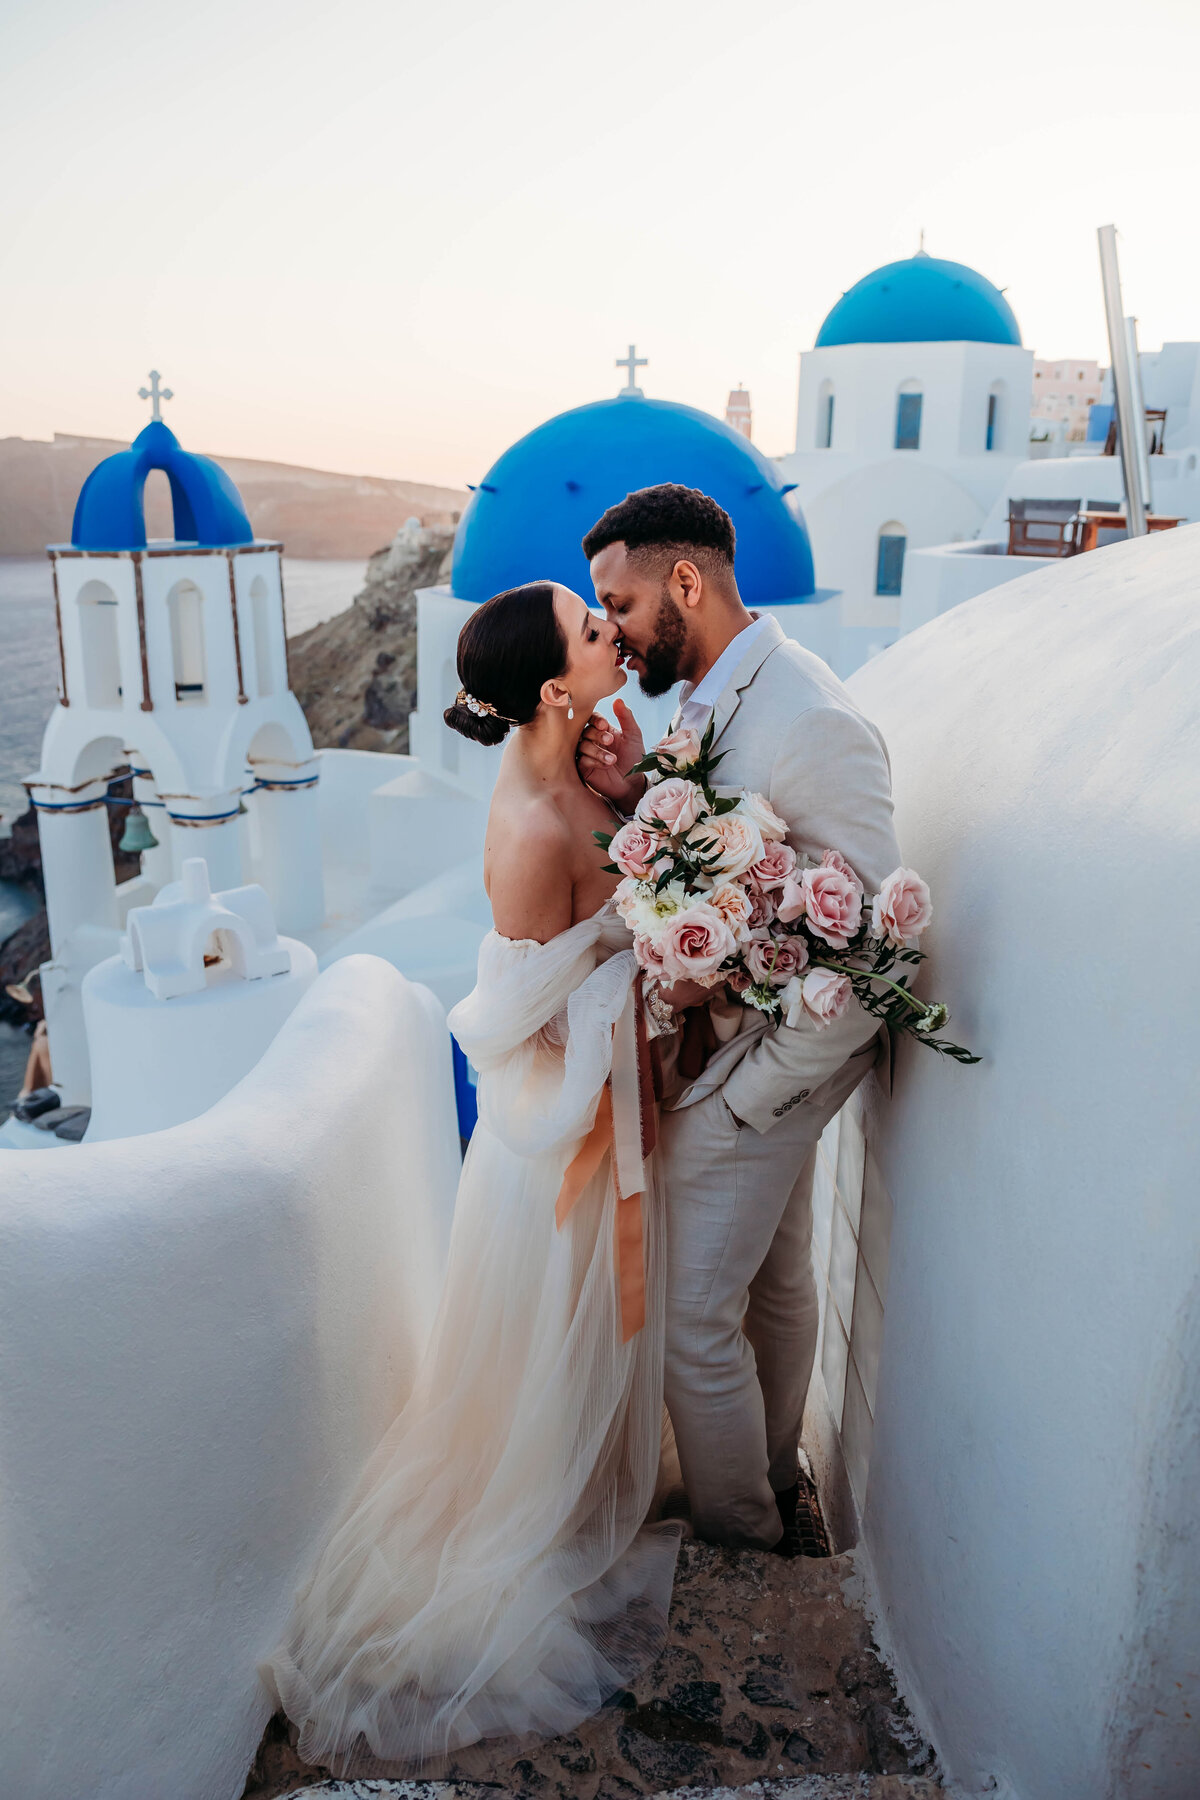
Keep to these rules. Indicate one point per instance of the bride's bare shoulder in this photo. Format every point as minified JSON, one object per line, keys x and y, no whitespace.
{"x":527,"y":868}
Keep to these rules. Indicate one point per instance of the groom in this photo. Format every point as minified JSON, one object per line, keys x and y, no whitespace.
{"x":738,"y":1143}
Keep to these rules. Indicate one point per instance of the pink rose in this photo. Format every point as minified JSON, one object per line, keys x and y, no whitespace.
{"x":648,"y":951}
{"x":762,"y":906}
{"x":832,"y":903}
{"x":760,"y":812}
{"x":822,"y":995}
{"x":695,"y":943}
{"x":730,"y":844}
{"x":793,"y":900}
{"x":676,"y":803}
{"x":774,"y":866}
{"x":776,"y":960}
{"x":634,"y":849}
{"x":732,"y":901}
{"x":902,"y":909}
{"x":680,"y":748}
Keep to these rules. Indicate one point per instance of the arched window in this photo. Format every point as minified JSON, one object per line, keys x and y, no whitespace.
{"x":908,"y":416}
{"x":185,"y":609}
{"x":825,"y":416}
{"x":994,"y":439}
{"x":260,"y":615}
{"x":98,"y":615}
{"x":889,"y":558}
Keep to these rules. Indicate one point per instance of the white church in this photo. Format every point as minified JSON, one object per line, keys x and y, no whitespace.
{"x":214,"y":1304}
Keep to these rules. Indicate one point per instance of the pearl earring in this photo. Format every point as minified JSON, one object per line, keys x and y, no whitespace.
{"x":570,"y":707}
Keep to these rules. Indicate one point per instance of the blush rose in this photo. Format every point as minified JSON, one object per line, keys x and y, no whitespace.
{"x":776,"y":960}
{"x":694,"y":944}
{"x":774,"y":866}
{"x":731,"y":844}
{"x":677,"y":803}
{"x":833,"y":900}
{"x":902,"y":909}
{"x":634,"y":849}
{"x":822,"y":996}
{"x":679,"y":748}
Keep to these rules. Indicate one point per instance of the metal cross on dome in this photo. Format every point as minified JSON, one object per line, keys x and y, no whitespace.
{"x":155,"y":395}
{"x":632,"y":362}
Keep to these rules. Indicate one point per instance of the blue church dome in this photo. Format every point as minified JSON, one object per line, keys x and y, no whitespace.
{"x":525,"y":520}
{"x":109,"y":514}
{"x":921,"y":300}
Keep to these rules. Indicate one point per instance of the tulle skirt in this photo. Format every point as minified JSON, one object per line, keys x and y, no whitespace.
{"x":494,"y":1578}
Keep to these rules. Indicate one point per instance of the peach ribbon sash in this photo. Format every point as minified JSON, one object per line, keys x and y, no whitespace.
{"x":625,"y":1127}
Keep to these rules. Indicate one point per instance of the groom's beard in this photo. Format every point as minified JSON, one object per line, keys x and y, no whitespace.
{"x":665,"y":652}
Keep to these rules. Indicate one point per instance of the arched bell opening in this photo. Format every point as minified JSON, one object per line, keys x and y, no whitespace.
{"x":185,"y":610}
{"x":100,"y":647}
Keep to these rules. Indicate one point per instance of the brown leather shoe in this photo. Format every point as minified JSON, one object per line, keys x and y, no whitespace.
{"x":804,"y":1532}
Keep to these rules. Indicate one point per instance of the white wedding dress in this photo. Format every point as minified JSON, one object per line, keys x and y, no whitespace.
{"x":494,"y":1575}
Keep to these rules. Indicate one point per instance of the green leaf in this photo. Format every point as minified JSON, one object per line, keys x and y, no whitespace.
{"x":604,"y":838}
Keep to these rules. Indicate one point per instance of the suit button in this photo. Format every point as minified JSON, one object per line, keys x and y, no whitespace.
{"x":803,"y":1094}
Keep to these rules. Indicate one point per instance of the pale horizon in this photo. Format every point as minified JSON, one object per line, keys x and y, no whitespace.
{"x":381,"y":242}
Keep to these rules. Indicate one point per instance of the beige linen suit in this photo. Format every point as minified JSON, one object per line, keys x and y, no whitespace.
{"x":741,"y":1299}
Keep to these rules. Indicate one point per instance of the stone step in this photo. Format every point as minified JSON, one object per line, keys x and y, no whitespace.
{"x":808,"y":1787}
{"x":769,"y":1676}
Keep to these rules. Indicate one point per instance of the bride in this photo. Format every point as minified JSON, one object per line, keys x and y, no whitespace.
{"x":494,"y":1576}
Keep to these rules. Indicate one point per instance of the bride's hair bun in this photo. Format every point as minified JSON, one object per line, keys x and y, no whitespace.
{"x":482,"y":728}
{"x":506,"y":650}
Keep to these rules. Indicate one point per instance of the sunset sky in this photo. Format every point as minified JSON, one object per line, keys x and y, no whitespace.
{"x":381,"y":237}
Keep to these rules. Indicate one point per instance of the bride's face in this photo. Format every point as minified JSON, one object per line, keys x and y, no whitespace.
{"x":593,"y":666}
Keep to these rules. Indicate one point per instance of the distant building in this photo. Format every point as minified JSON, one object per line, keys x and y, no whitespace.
{"x":1063,"y":394}
{"x":737,"y":411}
{"x":913,"y":410}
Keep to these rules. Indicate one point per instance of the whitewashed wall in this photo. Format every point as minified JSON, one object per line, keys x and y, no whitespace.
{"x":1031,"y":1503}
{"x":203,"y":1334}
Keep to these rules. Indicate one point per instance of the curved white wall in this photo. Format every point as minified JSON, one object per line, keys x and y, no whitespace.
{"x":1031,"y":1512}
{"x":204,"y":1332}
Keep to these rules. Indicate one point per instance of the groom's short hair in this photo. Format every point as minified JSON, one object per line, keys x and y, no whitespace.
{"x":656,"y":521}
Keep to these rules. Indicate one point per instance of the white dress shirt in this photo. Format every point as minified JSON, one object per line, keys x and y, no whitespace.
{"x":696,"y":703}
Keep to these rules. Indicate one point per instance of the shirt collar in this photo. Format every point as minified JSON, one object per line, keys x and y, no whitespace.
{"x":708,"y":689}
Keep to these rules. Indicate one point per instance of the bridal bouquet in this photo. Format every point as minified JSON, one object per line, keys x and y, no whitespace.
{"x":714,"y":894}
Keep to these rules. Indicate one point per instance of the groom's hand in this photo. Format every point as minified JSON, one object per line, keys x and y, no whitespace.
{"x":608,"y":754}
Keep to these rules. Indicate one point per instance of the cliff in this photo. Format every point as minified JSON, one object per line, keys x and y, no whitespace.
{"x":315,"y":512}
{"x":356,"y":675}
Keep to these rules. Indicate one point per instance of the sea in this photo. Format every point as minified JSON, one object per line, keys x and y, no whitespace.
{"x":29,"y":689}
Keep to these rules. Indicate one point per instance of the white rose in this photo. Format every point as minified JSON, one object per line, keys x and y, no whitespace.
{"x":757,"y":810}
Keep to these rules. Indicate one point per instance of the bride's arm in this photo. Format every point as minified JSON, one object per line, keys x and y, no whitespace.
{"x":531,"y":880}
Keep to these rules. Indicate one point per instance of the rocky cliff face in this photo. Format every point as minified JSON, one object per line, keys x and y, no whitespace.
{"x":356,"y":675}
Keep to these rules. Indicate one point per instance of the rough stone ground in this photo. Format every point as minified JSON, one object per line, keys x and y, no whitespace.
{"x":769,"y":1675}
{"x":356,"y":675}
{"x":808,"y":1787}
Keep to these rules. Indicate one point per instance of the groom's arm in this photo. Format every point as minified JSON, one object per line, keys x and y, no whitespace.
{"x":831,"y":784}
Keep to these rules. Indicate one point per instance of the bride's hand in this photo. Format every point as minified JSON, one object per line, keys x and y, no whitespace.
{"x":684,"y":994}
{"x":608,"y":753}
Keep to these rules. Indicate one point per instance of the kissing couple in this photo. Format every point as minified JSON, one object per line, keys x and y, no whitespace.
{"x":634,"y":1214}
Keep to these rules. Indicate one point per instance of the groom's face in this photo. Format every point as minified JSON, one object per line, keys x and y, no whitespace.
{"x":653,"y":627}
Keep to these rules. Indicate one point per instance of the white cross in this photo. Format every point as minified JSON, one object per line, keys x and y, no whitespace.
{"x":155,"y":395}
{"x":631,"y":362}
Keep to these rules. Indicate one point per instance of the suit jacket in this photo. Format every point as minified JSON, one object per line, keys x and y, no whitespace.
{"x":793,"y":733}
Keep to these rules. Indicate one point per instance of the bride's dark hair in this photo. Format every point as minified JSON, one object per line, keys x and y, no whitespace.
{"x":506,"y":650}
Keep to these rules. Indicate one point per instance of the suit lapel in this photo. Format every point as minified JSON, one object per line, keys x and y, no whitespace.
{"x":730,"y":697}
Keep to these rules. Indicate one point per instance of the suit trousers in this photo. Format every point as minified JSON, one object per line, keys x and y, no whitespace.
{"x":742,"y":1315}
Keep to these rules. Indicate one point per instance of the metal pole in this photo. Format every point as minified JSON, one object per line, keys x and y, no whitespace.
{"x":1131,"y":425}
{"x":1141,"y":450}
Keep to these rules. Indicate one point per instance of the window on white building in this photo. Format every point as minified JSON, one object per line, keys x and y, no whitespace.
{"x":889,"y":558}
{"x":185,"y":609}
{"x":260,"y":615}
{"x":825,"y":416}
{"x":98,"y":614}
{"x":994,"y":437}
{"x":908,"y":417}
